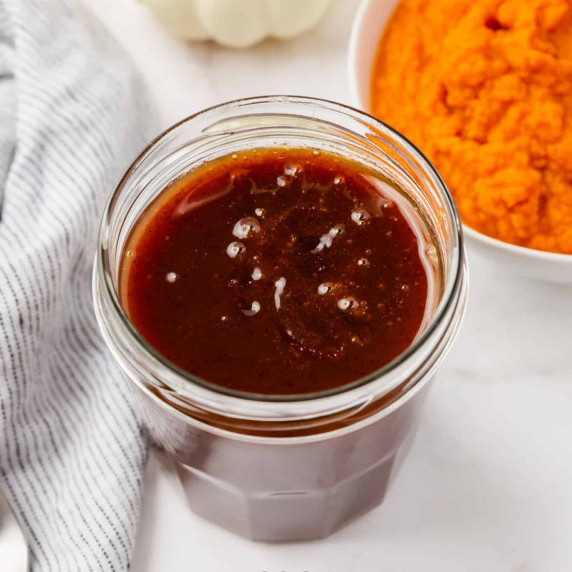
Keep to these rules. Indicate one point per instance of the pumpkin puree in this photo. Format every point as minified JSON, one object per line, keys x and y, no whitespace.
{"x":484,"y":88}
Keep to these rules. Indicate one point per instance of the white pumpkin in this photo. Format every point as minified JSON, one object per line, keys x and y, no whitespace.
{"x":237,"y":23}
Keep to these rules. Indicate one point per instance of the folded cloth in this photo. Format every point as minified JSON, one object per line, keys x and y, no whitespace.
{"x":72,"y":451}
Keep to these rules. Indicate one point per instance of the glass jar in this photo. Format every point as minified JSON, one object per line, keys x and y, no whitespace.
{"x":283,"y":467}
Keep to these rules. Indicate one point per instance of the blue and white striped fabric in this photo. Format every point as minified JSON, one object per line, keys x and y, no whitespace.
{"x":72,"y":451}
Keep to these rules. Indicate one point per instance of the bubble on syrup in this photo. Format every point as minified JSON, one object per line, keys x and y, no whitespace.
{"x":130,"y":254}
{"x":293,"y":169}
{"x":325,"y":288}
{"x":315,"y":152}
{"x":348,"y":303}
{"x":234,"y":158}
{"x":246,"y":227}
{"x":431,"y":252}
{"x":280,"y":284}
{"x":326,"y":240}
{"x":259,"y":212}
{"x":172,"y":277}
{"x":282,"y":181}
{"x":339,"y":180}
{"x":404,"y":287}
{"x":234,"y":249}
{"x":363,"y":262}
{"x":224,"y":318}
{"x":254,"y":309}
{"x":361,"y":216}
{"x":256,"y":274}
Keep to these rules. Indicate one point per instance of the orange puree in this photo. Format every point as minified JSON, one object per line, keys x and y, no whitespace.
{"x":484,"y":87}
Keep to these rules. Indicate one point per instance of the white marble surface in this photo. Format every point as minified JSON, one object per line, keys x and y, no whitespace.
{"x":488,"y":483}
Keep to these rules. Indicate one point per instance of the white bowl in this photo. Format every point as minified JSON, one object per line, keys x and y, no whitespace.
{"x":368,"y":26}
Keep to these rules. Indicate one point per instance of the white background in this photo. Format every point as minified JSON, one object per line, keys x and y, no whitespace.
{"x":488,"y":483}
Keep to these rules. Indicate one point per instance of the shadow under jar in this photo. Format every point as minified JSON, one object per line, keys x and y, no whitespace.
{"x":285,"y":466}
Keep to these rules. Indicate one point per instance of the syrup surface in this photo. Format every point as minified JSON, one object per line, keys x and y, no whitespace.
{"x":277,"y":272}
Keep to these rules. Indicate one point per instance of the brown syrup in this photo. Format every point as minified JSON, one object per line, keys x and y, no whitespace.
{"x":277,"y":272}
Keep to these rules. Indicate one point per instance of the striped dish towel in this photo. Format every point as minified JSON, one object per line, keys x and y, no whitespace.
{"x":72,"y":450}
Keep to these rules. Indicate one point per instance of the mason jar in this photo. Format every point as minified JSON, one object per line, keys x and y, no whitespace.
{"x":278,"y":468}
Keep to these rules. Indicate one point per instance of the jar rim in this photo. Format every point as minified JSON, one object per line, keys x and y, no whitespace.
{"x":454,"y":278}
